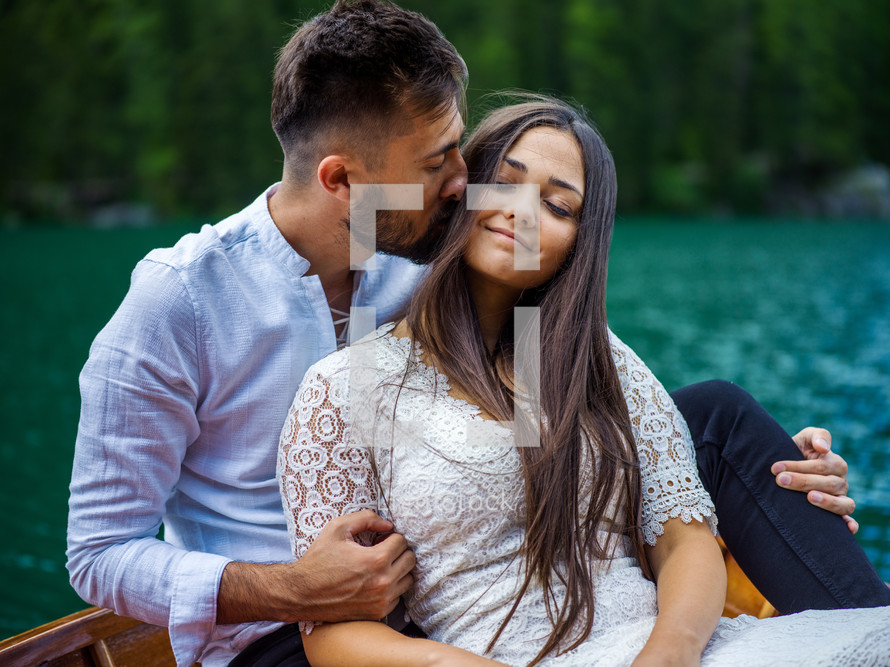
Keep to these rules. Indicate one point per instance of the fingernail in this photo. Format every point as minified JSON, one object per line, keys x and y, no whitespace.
{"x":823,"y":442}
{"x":778,"y":467}
{"x":784,"y":479}
{"x":816,"y":497}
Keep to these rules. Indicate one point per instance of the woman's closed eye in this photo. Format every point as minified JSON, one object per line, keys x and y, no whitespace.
{"x":559,"y":210}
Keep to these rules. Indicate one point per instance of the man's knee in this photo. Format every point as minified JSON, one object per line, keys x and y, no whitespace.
{"x":714,"y":393}
{"x":725,"y":418}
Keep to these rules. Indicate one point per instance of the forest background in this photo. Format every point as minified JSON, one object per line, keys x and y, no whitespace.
{"x":118,"y":112}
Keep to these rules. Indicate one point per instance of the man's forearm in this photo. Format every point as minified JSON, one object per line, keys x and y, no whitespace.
{"x":251,"y":592}
{"x":336,"y":579}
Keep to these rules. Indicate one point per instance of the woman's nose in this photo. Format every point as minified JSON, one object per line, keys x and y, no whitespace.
{"x":522,"y":219}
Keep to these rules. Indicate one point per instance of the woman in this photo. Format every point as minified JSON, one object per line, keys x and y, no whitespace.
{"x":540,"y":554}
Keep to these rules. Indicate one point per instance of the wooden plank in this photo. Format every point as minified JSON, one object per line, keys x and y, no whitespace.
{"x":63,"y":642}
{"x":101,"y":654}
{"x":142,"y":646}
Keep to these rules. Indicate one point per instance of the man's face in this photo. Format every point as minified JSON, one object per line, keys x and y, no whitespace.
{"x":429,"y":155}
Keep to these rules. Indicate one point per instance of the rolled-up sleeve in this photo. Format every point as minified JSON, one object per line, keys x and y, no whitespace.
{"x":139,"y":392}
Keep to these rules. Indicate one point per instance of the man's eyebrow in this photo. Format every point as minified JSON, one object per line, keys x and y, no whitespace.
{"x":553,"y":180}
{"x":444,"y":149}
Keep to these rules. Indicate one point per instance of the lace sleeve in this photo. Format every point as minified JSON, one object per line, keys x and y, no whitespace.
{"x":671,"y":487}
{"x":321,"y":472}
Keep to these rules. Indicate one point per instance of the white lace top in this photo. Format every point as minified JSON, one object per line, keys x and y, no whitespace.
{"x":451,"y":483}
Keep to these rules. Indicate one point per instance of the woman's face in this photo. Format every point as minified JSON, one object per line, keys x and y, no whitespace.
{"x":503,"y":244}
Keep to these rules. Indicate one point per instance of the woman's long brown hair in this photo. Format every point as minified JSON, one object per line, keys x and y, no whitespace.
{"x":586,"y":433}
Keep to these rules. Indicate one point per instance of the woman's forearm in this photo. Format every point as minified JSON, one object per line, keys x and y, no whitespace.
{"x":691,"y":580}
{"x":369,"y":644}
{"x":692,"y":592}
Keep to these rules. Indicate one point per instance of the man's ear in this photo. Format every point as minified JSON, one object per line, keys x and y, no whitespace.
{"x":336,"y":172}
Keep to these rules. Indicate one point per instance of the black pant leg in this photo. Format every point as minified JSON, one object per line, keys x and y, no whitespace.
{"x":798,"y":555}
{"x":282,"y":648}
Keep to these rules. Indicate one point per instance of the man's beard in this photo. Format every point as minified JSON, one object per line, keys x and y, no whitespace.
{"x":391,"y":227}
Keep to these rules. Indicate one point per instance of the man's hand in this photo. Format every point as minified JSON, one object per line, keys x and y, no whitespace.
{"x":337,"y":579}
{"x":822,"y":474}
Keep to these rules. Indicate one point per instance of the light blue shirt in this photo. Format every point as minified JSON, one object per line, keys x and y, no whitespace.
{"x":183,"y":399}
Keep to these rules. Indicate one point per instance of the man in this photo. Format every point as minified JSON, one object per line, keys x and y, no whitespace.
{"x":187,"y":387}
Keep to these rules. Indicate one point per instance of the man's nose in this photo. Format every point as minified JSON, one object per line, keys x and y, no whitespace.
{"x":456,"y":184}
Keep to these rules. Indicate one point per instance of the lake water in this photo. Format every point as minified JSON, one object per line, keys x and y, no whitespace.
{"x":799,"y":314}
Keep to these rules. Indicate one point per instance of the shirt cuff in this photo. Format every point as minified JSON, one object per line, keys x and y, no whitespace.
{"x":193,"y":605}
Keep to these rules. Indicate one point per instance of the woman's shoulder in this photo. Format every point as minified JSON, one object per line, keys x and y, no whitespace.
{"x":617,"y":343}
{"x":631,"y":369}
{"x":389,"y":344}
{"x":377,"y":350}
{"x":621,"y":351}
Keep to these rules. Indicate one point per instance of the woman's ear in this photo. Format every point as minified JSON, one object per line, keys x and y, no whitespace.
{"x":336,"y":172}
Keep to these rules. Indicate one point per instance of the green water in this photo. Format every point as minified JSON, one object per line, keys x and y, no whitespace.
{"x":797,"y":313}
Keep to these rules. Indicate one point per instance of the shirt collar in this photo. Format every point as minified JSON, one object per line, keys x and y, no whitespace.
{"x":271,"y":236}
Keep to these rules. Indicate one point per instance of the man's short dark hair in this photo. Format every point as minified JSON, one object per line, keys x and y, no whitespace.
{"x":353,"y":76}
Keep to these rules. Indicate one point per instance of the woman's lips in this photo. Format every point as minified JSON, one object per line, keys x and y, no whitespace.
{"x":510,"y":235}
